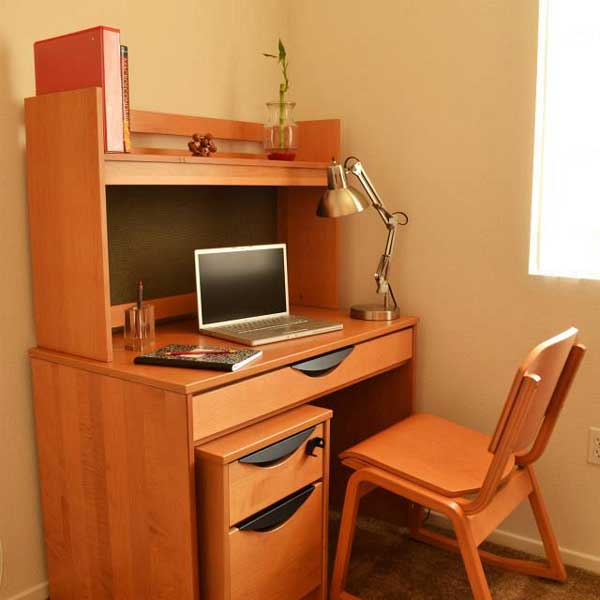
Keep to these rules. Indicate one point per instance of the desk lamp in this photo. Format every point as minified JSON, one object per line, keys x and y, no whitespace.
{"x":341,"y":200}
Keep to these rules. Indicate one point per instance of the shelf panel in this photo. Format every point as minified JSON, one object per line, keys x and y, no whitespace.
{"x":146,"y":169}
{"x":143,"y":121}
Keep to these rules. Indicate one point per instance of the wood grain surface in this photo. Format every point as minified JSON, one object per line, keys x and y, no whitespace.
{"x":195,"y":381}
{"x":67,"y":222}
{"x":118,"y":493}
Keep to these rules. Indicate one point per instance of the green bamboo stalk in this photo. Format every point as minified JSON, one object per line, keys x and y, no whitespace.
{"x":283,"y":88}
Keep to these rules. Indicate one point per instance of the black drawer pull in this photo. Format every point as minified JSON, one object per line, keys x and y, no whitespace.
{"x":282,"y":449}
{"x":278,"y":513}
{"x":317,"y":442}
{"x":321,"y":365}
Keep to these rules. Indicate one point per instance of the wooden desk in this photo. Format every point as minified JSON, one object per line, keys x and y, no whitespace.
{"x":116,"y":445}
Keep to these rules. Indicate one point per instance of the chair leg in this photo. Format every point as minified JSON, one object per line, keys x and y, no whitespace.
{"x":471,"y":559}
{"x":553,"y":568}
{"x":542,"y":519}
{"x":345,"y":539}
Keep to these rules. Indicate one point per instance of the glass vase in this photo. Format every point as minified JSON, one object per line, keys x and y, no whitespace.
{"x":281,"y":131}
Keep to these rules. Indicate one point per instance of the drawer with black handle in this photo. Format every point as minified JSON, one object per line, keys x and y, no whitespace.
{"x":233,"y":405}
{"x":278,"y":553}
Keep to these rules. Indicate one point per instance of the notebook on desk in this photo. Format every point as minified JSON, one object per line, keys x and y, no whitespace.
{"x":243,"y":296}
{"x":199,"y":357}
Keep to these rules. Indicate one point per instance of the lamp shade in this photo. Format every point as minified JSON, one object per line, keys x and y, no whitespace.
{"x":340,"y":199}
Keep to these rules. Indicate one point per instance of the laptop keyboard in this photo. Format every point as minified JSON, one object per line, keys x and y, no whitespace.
{"x":264,"y":324}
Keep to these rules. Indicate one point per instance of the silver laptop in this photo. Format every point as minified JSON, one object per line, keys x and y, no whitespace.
{"x":243,"y":296}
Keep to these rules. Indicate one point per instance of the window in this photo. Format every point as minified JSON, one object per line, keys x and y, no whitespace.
{"x":565,"y":224}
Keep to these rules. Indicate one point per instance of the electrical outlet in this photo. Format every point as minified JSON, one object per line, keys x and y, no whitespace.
{"x":594,"y":446}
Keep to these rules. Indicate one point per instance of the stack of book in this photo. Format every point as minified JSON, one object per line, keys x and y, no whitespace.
{"x":89,"y":58}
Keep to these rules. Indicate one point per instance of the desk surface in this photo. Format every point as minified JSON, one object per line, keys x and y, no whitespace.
{"x":189,"y":381}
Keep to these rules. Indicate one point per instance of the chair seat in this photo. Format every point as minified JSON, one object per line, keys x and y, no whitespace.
{"x":433,"y":452}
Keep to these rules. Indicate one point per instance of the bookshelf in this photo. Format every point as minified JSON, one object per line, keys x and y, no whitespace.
{"x":70,"y":178}
{"x":164,"y":169}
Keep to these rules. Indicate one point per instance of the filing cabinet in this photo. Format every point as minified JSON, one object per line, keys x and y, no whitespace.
{"x":262,"y":497}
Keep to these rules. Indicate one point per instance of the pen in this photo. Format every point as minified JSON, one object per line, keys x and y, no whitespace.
{"x":138,"y":314}
{"x":140,"y":294}
{"x":200,"y":352}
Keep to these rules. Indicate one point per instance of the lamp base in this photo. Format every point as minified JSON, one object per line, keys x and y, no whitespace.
{"x":374,"y":312}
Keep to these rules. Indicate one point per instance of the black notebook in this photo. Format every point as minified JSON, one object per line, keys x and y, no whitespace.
{"x":176,"y":355}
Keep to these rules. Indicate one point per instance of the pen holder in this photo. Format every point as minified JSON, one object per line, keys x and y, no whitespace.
{"x":139,"y":327}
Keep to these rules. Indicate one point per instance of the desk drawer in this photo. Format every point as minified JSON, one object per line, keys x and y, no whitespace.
{"x":283,"y":562}
{"x":253,"y":487}
{"x":252,"y":399}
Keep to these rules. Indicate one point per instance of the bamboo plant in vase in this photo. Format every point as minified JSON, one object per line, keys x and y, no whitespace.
{"x":281,"y":131}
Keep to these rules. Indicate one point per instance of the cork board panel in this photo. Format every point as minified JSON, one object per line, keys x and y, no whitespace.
{"x":153,"y":232}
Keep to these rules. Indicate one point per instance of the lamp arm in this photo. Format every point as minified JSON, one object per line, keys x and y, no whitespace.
{"x":391,"y":222}
{"x":359,"y":172}
{"x":383,"y":268}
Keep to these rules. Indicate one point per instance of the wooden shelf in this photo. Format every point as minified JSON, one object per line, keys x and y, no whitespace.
{"x":69,"y":174}
{"x":161,"y":169}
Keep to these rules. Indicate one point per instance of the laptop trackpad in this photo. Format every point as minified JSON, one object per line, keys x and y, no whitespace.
{"x":280,"y":329}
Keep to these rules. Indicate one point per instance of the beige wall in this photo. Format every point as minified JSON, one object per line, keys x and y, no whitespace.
{"x":190,"y":56}
{"x":437,"y":99}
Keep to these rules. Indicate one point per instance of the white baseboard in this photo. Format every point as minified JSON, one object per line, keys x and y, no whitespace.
{"x":530,"y":545}
{"x":37,"y":592}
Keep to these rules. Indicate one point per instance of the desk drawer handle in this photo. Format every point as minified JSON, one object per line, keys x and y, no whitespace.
{"x":277,"y":514}
{"x":321,"y":365}
{"x":270,"y":454}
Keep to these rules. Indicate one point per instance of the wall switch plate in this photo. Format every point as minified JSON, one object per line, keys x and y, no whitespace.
{"x":594,"y":446}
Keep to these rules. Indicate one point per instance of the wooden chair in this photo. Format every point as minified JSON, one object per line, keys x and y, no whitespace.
{"x":436,"y":464}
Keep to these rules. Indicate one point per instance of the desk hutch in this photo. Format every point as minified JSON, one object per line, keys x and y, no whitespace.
{"x":140,"y":465}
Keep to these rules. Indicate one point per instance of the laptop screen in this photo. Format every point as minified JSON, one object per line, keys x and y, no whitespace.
{"x":239,"y":283}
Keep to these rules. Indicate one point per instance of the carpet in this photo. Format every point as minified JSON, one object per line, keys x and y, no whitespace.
{"x":387,"y":565}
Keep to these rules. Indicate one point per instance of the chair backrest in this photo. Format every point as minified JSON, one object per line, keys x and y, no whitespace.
{"x":532,"y":407}
{"x":547,"y":361}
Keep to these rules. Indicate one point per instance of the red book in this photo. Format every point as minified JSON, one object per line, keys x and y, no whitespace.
{"x":89,"y":58}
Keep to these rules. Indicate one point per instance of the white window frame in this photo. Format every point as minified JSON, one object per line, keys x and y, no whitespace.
{"x":536,"y":265}
{"x":538,"y":144}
